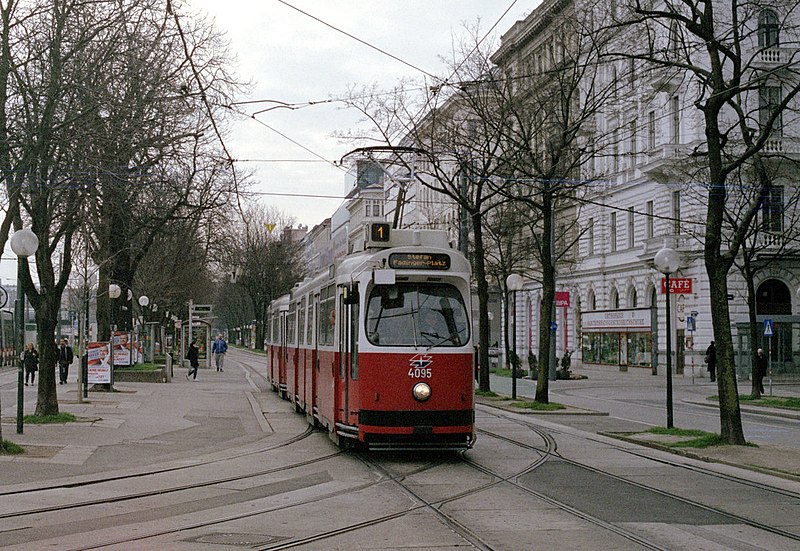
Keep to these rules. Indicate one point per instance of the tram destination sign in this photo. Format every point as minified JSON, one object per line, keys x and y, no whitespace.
{"x":419,"y":261}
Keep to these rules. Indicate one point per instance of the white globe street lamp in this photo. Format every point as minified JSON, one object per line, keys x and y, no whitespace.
{"x":667,"y":261}
{"x":24,"y":244}
{"x":114,"y":290}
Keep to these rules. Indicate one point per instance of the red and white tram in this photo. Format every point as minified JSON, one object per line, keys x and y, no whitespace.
{"x":377,"y":348}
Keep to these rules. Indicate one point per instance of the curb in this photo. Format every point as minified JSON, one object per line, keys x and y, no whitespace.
{"x":505,"y":405}
{"x":699,"y":457}
{"x":756,"y":410}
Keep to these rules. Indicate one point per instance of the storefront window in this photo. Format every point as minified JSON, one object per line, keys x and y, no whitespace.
{"x":639,"y":349}
{"x":609,"y":352}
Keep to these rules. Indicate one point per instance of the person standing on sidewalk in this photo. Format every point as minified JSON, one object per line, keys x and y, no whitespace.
{"x":65,"y":358}
{"x":30,"y":360}
{"x":194,"y":361}
{"x":711,"y":361}
{"x":761,"y":370}
{"x":218,"y":349}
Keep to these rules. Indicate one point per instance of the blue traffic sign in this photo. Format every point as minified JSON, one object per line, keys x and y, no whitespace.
{"x":690,"y":323}
{"x":767,"y":328}
{"x":553,"y":326}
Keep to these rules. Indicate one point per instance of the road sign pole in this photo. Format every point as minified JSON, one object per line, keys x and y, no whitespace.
{"x":768,"y":334}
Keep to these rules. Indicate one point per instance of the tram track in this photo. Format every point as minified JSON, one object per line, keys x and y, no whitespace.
{"x":671,"y":495}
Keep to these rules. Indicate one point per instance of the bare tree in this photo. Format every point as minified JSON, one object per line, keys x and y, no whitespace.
{"x":267,"y":263}
{"x":743,"y":85}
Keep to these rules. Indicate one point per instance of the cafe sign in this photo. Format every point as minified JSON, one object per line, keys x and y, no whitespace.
{"x":677,"y":286}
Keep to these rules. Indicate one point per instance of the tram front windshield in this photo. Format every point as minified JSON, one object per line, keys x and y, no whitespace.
{"x":417,"y":314}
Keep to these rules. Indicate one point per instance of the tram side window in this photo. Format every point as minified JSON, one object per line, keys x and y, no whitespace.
{"x":301,"y":330}
{"x":416,"y":314}
{"x":310,"y":323}
{"x":291,"y":320}
{"x":327,"y":321}
{"x":275,"y":336}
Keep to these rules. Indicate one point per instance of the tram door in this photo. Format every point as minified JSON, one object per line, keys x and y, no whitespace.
{"x":348,"y":357}
{"x":284,"y":356}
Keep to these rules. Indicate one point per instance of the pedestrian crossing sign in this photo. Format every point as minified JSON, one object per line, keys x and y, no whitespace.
{"x":767,"y":328}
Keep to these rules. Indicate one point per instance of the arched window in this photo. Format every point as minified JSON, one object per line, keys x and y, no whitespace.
{"x":768,"y":29}
{"x":614,"y":298}
{"x":592,"y":301}
{"x":633,"y":299}
{"x":773,"y":297}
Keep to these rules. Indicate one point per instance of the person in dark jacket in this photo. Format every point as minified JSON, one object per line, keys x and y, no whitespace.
{"x":761,"y":370}
{"x":711,"y":361}
{"x":30,"y":361}
{"x":193,"y":356}
{"x":65,"y":358}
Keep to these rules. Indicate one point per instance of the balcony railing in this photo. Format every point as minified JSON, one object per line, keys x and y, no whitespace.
{"x":775,"y":57}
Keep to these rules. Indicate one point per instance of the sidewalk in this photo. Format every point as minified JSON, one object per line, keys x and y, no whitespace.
{"x":771,"y":459}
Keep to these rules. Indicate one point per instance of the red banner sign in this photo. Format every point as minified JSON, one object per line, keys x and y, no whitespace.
{"x":562,"y":299}
{"x":677,"y":285}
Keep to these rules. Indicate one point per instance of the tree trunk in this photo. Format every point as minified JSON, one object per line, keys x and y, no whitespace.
{"x":548,"y":300}
{"x":754,"y":332}
{"x":483,"y":304}
{"x":730,"y":418}
{"x":46,"y":319}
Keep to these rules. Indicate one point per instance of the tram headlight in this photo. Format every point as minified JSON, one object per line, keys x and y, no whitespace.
{"x":421,"y":391}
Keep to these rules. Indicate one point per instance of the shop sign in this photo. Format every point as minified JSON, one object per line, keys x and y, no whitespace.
{"x":562,"y":299}
{"x":617,"y":320}
{"x":677,"y":286}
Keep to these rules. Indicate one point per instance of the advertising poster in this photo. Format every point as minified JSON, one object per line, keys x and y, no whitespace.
{"x":99,"y":363}
{"x":122,"y":349}
{"x":201,"y":334}
{"x":126,"y":353}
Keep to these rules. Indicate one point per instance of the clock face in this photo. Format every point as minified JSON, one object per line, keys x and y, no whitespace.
{"x":3,"y":297}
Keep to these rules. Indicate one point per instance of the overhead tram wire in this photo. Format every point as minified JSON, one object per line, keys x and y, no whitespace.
{"x":365,"y":43}
{"x":284,"y":136}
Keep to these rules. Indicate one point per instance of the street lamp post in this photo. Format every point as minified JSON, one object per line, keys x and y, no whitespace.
{"x":114,"y":291}
{"x":514,"y":284}
{"x":144,"y":300}
{"x":24,"y":243}
{"x":667,"y":262}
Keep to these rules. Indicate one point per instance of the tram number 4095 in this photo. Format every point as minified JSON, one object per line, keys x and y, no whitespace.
{"x":420,"y":373}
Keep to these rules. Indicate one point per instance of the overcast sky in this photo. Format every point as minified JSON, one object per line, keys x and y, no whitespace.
{"x":290,"y":57}
{"x":293,"y":58}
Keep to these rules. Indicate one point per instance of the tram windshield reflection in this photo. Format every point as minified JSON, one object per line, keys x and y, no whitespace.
{"x":417,"y":314}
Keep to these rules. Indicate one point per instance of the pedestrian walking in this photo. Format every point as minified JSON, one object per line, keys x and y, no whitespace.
{"x":65,"y":358}
{"x":761,"y":370}
{"x":711,"y":361}
{"x":218,"y":349}
{"x":193,"y":356}
{"x":30,"y":360}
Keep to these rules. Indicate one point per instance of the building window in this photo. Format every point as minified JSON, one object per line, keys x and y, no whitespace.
{"x":614,"y":299}
{"x":769,"y":100}
{"x":613,"y":231}
{"x":633,"y":299}
{"x":772,"y":210}
{"x":675,"y":117}
{"x":632,"y":143}
{"x":615,"y":149}
{"x":648,"y":232}
{"x":590,"y":236}
{"x":651,"y":130}
{"x":630,"y":228}
{"x":676,"y":212}
{"x":768,"y":29}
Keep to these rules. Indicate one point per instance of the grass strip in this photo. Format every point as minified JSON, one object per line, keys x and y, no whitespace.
{"x":539,"y":406}
{"x":48,"y":419}
{"x":10,"y":448}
